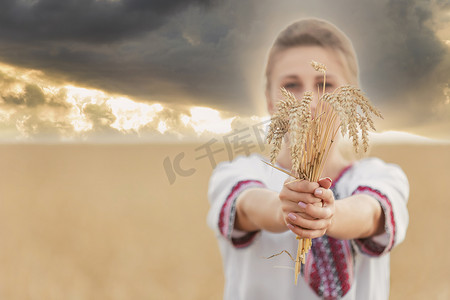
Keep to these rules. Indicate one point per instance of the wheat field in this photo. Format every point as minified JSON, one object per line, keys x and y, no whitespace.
{"x":103,"y":222}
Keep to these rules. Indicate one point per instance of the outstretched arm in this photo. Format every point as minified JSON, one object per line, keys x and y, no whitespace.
{"x":259,"y":209}
{"x":358,"y":216}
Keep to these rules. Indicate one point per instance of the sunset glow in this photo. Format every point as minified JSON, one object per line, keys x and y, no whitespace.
{"x":207,"y":119}
{"x":131,"y":115}
{"x":35,"y":103}
{"x":162,"y":127}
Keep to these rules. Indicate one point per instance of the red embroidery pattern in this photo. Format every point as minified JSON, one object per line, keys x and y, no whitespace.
{"x":228,"y":211}
{"x":368,"y":245}
{"x":329,"y":271}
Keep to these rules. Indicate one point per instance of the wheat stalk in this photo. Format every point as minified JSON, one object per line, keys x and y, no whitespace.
{"x":311,"y":137}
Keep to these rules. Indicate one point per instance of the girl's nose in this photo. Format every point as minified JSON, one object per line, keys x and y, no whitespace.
{"x":313,"y":103}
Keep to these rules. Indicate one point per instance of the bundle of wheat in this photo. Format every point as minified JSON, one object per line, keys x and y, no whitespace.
{"x":312,"y":136}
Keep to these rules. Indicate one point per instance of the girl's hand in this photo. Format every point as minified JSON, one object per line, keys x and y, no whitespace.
{"x":307,"y":207}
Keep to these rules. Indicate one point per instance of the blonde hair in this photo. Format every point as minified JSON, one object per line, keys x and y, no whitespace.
{"x":315,"y":32}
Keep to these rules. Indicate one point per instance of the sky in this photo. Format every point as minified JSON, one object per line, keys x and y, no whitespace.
{"x":126,"y":70}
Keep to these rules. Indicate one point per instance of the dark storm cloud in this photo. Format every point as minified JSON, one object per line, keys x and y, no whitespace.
{"x":407,"y":65}
{"x":191,"y":58}
{"x":411,"y":49}
{"x":93,"y":21}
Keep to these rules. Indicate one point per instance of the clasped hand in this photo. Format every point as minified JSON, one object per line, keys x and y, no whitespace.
{"x":307,"y":208}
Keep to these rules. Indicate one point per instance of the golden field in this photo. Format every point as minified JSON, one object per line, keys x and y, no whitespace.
{"x":103,"y":222}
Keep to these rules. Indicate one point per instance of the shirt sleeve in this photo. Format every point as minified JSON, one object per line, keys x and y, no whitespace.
{"x":227,"y":182}
{"x":388,"y":184}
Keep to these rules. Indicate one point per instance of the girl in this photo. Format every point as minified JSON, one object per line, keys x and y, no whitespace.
{"x":255,"y":214}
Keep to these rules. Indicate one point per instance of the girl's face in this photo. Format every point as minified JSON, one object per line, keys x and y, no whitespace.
{"x":292,"y":70}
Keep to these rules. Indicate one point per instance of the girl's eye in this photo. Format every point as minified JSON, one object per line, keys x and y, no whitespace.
{"x":328,"y":86}
{"x":291,"y":85}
